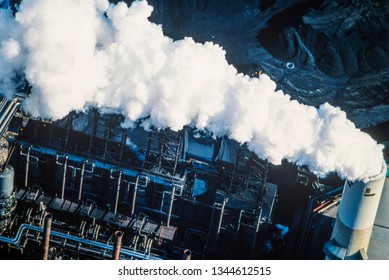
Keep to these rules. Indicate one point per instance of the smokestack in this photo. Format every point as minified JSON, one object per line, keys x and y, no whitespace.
{"x":355,"y":219}
{"x":46,"y":235}
{"x":117,"y":244}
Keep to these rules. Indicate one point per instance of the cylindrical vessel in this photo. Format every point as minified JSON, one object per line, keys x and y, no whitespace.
{"x":355,"y":218}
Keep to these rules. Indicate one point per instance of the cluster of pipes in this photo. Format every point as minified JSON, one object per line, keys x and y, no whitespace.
{"x":351,"y":233}
{"x":116,"y":247}
{"x":350,"y":237}
{"x":47,"y":233}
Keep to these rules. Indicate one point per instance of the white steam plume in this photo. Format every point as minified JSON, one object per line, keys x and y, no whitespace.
{"x":80,"y":53}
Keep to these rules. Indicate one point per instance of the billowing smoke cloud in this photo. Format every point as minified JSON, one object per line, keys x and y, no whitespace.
{"x":81,"y":53}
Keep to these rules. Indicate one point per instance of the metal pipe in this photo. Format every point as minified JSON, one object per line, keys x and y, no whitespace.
{"x":171,"y":206}
{"x":7,"y":110}
{"x":221,"y":216}
{"x":27,"y":167}
{"x":65,"y":168}
{"x":24,"y":227}
{"x":46,"y":235}
{"x":83,"y":170}
{"x":8,"y":115}
{"x":178,"y":151}
{"x":10,"y":107}
{"x":238,"y":228}
{"x":134,"y":196}
{"x":117,"y":244}
{"x":187,"y":254}
{"x":2,"y":104}
{"x":81,"y":180}
{"x":257,"y":228}
{"x":270,"y":218}
{"x":117,"y":192}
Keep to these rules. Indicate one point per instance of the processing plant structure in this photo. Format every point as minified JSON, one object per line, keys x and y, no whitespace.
{"x":85,"y":188}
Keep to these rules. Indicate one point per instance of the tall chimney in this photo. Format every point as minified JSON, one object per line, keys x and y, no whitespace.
{"x":355,"y":218}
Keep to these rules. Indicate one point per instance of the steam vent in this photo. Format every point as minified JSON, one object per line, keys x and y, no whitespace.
{"x":194,"y":130}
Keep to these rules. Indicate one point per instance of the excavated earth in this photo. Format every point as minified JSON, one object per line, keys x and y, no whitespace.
{"x":316,"y":51}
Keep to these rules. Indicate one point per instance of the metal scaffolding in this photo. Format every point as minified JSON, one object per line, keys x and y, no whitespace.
{"x":163,"y":152}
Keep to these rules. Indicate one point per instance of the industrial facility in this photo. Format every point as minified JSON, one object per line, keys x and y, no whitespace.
{"x":84,"y":187}
{"x":76,"y":186}
{"x":194,"y":130}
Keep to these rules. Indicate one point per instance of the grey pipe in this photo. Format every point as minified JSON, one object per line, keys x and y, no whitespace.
{"x":27,"y":167}
{"x":118,"y":192}
{"x":171,"y":206}
{"x":2,"y":104}
{"x":221,"y":216}
{"x":46,"y":235}
{"x":7,"y":116}
{"x":83,"y":170}
{"x":134,"y":196}
{"x":65,"y":168}
{"x":257,"y":228}
{"x":7,"y":110}
{"x":81,"y":180}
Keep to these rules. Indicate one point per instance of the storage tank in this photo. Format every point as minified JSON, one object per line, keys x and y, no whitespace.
{"x":355,"y":218}
{"x":7,"y":197}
